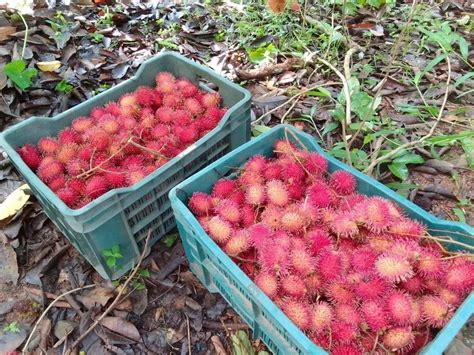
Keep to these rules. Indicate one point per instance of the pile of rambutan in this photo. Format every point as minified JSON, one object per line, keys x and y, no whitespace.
{"x":120,"y":143}
{"x":352,"y":271}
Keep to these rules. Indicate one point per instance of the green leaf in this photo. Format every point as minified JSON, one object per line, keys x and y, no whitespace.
{"x":259,"y":129}
{"x":430,"y":66}
{"x":115,"y":283}
{"x":329,"y":127}
{"x":320,"y":92}
{"x":459,"y":214}
{"x":443,"y":140}
{"x":463,"y":47}
{"x":170,"y":240}
{"x":64,"y":86}
{"x":107,"y":252}
{"x":463,"y":79}
{"x":468,"y":147}
{"x":11,"y":328}
{"x":116,"y":249}
{"x":138,"y":285}
{"x":399,"y":170}
{"x":410,"y":158}
{"x":143,"y":272}
{"x":241,"y":344}
{"x":16,"y":71}
{"x":401,"y":186}
{"x":111,"y":261}
{"x":117,"y":255}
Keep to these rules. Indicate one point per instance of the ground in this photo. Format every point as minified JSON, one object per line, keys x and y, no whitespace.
{"x":394,"y":58}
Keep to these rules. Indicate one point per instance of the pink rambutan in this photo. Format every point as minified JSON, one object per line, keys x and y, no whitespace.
{"x":274,"y":258}
{"x":406,"y":228}
{"x":255,"y":194}
{"x":128,"y":101}
{"x":374,"y":212}
{"x":343,"y":182}
{"x":248,"y":215}
{"x":48,"y":145}
{"x":77,"y":185}
{"x":112,"y":108}
{"x":128,"y":123}
{"x":145,"y":96}
{"x":48,"y":170}
{"x":293,"y":285}
{"x":363,"y":259}
{"x":319,"y":194}
{"x":172,"y":100}
{"x":164,"y":77}
{"x":193,"y":106}
{"x":109,"y":124}
{"x":211,"y":100}
{"x":81,"y":124}
{"x":277,"y":193}
{"x":298,"y":312}
{"x":223,"y":188}
{"x":219,"y":229}
{"x":57,"y":183}
{"x":399,"y":307}
{"x":330,"y":264}
{"x":414,"y":285}
{"x":182,"y":118}
{"x":344,"y":225}
{"x":186,"y":88}
{"x":135,"y":175}
{"x":271,"y":216}
{"x":116,"y":178}
{"x":257,"y":164}
{"x":164,"y":115}
{"x":372,"y":288}
{"x":347,"y":313}
{"x":68,"y":135}
{"x":460,"y":278}
{"x":339,"y":291}
{"x":76,"y":166}
{"x":215,"y":113}
{"x":284,"y":147}
{"x":313,"y":284}
{"x":318,"y":240}
{"x":248,"y":178}
{"x":415,"y":313}
{"x":187,"y":134}
{"x":309,"y":212}
{"x":238,"y":243}
{"x":302,"y":261}
{"x":321,"y":339}
{"x":99,"y":139}
{"x":321,"y":316}
{"x":398,"y":339}
{"x":159,"y":131}
{"x":343,"y":332}
{"x":315,"y":163}
{"x":259,"y":234}
{"x":96,"y":113}
{"x":380,"y":243}
{"x":272,"y":171}
{"x":229,"y":210}
{"x":268,"y":283}
{"x":292,"y":220}
{"x":347,"y":203}
{"x":449,"y":296}
{"x":292,"y":172}
{"x":68,"y":196}
{"x":30,"y":155}
{"x":96,"y":186}
{"x":341,"y":349}
{"x":67,"y":152}
{"x":393,"y":268}
{"x":374,"y":315}
{"x":409,"y":249}
{"x":295,"y":191}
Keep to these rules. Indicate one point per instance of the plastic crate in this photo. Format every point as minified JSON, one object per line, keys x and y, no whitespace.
{"x":124,"y":216}
{"x":220,"y":274}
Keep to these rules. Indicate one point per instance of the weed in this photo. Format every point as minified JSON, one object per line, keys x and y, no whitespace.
{"x":64,"y":87}
{"x":11,"y":328}
{"x":112,"y":255}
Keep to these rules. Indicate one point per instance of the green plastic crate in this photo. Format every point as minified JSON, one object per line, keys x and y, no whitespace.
{"x":220,"y":274}
{"x":124,"y":216}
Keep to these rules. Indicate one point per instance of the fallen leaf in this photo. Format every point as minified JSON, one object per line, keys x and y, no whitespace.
{"x":6,"y":31}
{"x":122,"y":327}
{"x":49,"y":66}
{"x":97,"y":296}
{"x":8,"y":266}
{"x":11,"y":341}
{"x":63,"y":328}
{"x":14,"y":202}
{"x":216,"y":341}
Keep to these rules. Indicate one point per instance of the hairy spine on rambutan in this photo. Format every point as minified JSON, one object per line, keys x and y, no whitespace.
{"x":413,"y":285}
{"x":67,"y":152}
{"x":229,"y":210}
{"x":219,"y":229}
{"x":374,"y":212}
{"x":57,"y":183}
{"x":48,"y":145}
{"x":339,"y":291}
{"x":81,"y":124}
{"x":248,"y":216}
{"x":200,"y":203}
{"x":338,"y":349}
{"x":363,"y":259}
{"x":344,"y":225}
{"x":299,"y":313}
{"x":315,"y":163}
{"x":398,"y":338}
{"x":96,"y":186}
{"x":318,"y":240}
{"x":302,"y":261}
{"x":319,"y":194}
{"x":374,"y":315}
{"x":292,"y":220}
{"x":271,"y":216}
{"x":321,"y":316}
{"x":436,"y":312}
{"x":30,"y":155}
{"x":372,"y":288}
{"x":48,"y":170}
{"x":212,"y":99}
{"x":77,"y":185}
{"x":238,"y":243}
{"x":460,"y":278}
{"x":164,"y":77}
{"x":76,"y":166}
{"x":68,"y":135}
{"x":223,"y":188}
{"x":343,"y":332}
{"x":330,"y":264}
{"x":399,"y":307}
{"x":406,"y":228}
{"x":116,"y":178}
{"x":255,"y":194}
{"x":292,"y":172}
{"x":393,"y":268}
{"x":68,"y":196}
{"x":343,"y":182}
{"x":293,"y":285}
{"x":268,"y":283}
{"x":347,"y":313}
{"x":145,"y":96}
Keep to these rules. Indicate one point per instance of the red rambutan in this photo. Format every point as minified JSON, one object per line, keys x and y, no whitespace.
{"x":257,"y":164}
{"x":223,"y":188}
{"x":81,"y":124}
{"x":96,"y":186}
{"x":77,"y":185}
{"x":219,"y":229}
{"x":313,"y":284}
{"x":145,"y":96}
{"x":135,"y":175}
{"x":182,"y":118}
{"x":363,"y":259}
{"x":68,"y":196}
{"x":398,"y":338}
{"x":271,"y":216}
{"x":48,"y":170}
{"x":339,"y":349}
{"x":414,"y":285}
{"x":299,"y":313}
{"x":164,"y":77}
{"x":339,"y":291}
{"x":293,"y":285}
{"x":229,"y":210}
{"x":186,"y":88}
{"x":292,"y":172}
{"x":30,"y":155}
{"x":164,"y":115}
{"x":347,"y":313}
{"x":255,"y":194}
{"x":407,"y":228}
{"x":318,"y":240}
{"x":321,"y":316}
{"x":99,"y":139}
{"x":374,"y":315}
{"x":211,"y":99}
{"x":344,"y":225}
{"x":274,"y":258}
{"x":67,"y":152}
{"x":57,"y":183}
{"x":319,"y":194}
{"x":330,"y":264}
{"x":343,"y":332}
{"x":372,"y":288}
{"x":259,"y":235}
{"x":460,"y":278}
{"x":248,"y":215}
{"x":48,"y":145}
{"x":315,"y":163}
{"x":187,"y":134}
{"x":399,"y":307}
{"x":172,"y":101}
{"x":302,"y":261}
{"x":268,"y":283}
{"x":116,"y":178}
{"x":292,"y":220}
{"x":193,"y":106}
{"x":374,"y":212}
{"x":449,"y":296}
{"x":277,"y":193}
{"x":76,"y":166}
{"x":112,"y":108}
{"x":343,"y":182}
{"x":68,"y":135}
{"x":393,"y":268}
{"x":238,"y":243}
{"x":272,"y":171}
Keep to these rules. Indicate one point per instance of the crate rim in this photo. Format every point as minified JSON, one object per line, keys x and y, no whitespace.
{"x":452,"y":327}
{"x":66,"y":210}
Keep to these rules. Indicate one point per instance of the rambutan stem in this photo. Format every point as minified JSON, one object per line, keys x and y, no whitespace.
{"x":449,"y":240}
{"x":151,"y":151}
{"x":244,"y":260}
{"x":375,"y":344}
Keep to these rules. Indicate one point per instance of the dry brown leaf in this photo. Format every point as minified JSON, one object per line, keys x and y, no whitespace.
{"x":6,"y":31}
{"x":49,"y":66}
{"x":95,"y":297}
{"x":216,"y":341}
{"x":122,"y":327}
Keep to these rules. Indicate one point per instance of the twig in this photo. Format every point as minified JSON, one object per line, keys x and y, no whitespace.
{"x":189,"y":335}
{"x":464,"y":245}
{"x":394,"y":152}
{"x":347,"y":62}
{"x":117,"y":298}
{"x":151,"y":151}
{"x":375,"y":344}
{"x":26,"y":34}
{"x":289,"y":110}
{"x":47,"y":309}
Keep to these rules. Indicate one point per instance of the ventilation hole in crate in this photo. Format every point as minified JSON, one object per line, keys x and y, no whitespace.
{"x":269,"y":342}
{"x":138,"y":203}
{"x":145,"y":212}
{"x":169,"y":224}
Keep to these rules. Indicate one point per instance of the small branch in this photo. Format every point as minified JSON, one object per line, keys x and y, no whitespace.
{"x":394,"y":152}
{"x":25,"y":348}
{"x":117,"y":298}
{"x":26,"y":34}
{"x":151,"y":151}
{"x":269,"y":70}
{"x":189,"y":334}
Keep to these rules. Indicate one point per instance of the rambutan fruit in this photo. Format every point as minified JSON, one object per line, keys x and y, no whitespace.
{"x":274,"y":258}
{"x":318,"y":240}
{"x":259,"y":234}
{"x":295,"y":191}
{"x":30,"y":155}
{"x":116,"y":178}
{"x":330,"y":264}
{"x":99,"y":139}
{"x":215,"y":113}
{"x":372,"y":288}
{"x":57,"y":183}
{"x":96,"y":113}
{"x":363,"y":259}
{"x":48,"y":170}
{"x":321,"y":316}
{"x":68,"y":135}
{"x":128,"y":100}
{"x":67,"y":152}
{"x":109,"y":124}
{"x":186,"y":88}
{"x":344,"y":225}
{"x":68,"y":196}
{"x":173,"y":100}
{"x":182,"y":118}
{"x":374,"y":315}
{"x":347,"y":313}
{"x":409,"y":249}
{"x":238,"y":243}
{"x":77,"y":185}
{"x":315,"y":163}
{"x":248,"y":177}
{"x":128,"y":123}
{"x":347,"y":203}
{"x":255,"y":194}
{"x":282,"y":239}
{"x":81,"y":124}
{"x":159,"y":131}
{"x":298,"y":312}
{"x":380,"y":243}
{"x":339,"y":349}
{"x":321,"y":339}
{"x":145,"y":96}
{"x":271,"y":216}
{"x":48,"y":145}
{"x":302,"y":261}
{"x":248,"y":215}
{"x":112,"y":108}
{"x":76,"y":166}
{"x":229,"y":210}
{"x":257,"y":164}
{"x":292,"y":172}
{"x":135,"y":175}
{"x":415,"y":313}
{"x":272,"y":171}
{"x":398,"y":339}
{"x":449,"y":296}
{"x":414,"y":285}
{"x":164,"y":115}
{"x":375,"y":214}
{"x":293,"y":285}
{"x":460,"y":278}
{"x":223,"y":188}
{"x":276,"y":6}
{"x":313,"y":284}
{"x":398,"y":306}
{"x":343,"y":332}
{"x":319,"y":194}
{"x":268,"y":283}
{"x":219,"y":229}
{"x":339,"y":291}
{"x":432,"y":285}
{"x":212,"y":99}
{"x":393,"y":268}
{"x":277,"y":193}
{"x":406,"y":228}
{"x":292,"y":220}
{"x":193,"y":106}
{"x":96,"y":186}
{"x":187,"y":134}
{"x":309,"y":212}
{"x":164,"y":77}
{"x":343,"y":182}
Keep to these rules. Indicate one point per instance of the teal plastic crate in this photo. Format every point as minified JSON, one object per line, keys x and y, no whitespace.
{"x":124,"y":216}
{"x":220,"y":274}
